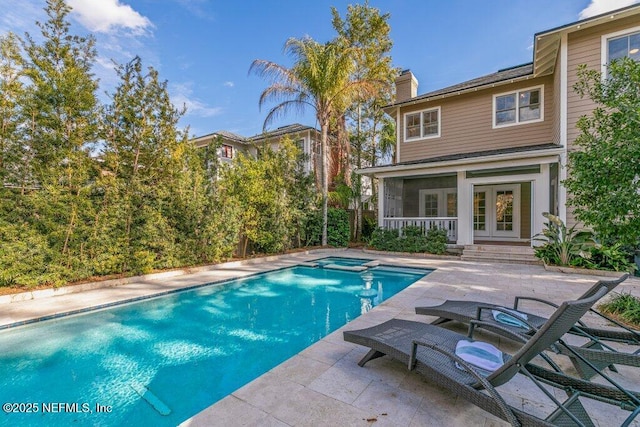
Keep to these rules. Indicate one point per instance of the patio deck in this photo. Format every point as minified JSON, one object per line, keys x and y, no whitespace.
{"x":323,"y":385}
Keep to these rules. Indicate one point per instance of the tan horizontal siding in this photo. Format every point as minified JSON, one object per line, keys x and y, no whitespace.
{"x":584,"y":47}
{"x":467,"y":120}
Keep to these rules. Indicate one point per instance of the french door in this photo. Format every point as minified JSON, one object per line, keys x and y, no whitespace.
{"x":496,"y":211}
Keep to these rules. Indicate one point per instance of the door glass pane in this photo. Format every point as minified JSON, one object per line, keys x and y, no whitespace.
{"x":430,"y":205}
{"x":480,"y":211}
{"x":504,"y":210}
{"x":452,"y":204}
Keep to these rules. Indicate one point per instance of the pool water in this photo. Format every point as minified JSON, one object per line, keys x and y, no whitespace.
{"x":183,"y":351}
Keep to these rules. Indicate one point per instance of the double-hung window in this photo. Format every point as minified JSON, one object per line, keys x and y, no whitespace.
{"x":622,"y":44}
{"x":522,"y":106}
{"x":226,"y":151}
{"x":422,"y":124}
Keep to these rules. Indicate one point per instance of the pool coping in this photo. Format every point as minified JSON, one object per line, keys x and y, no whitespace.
{"x":109,"y":283}
{"x":181,"y":289}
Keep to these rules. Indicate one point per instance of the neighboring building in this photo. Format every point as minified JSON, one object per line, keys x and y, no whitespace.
{"x":485,"y":158}
{"x":307,"y":138}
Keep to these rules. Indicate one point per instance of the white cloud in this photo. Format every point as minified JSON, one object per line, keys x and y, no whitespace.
{"x":598,"y":7}
{"x":105,"y":16}
{"x":229,"y":84}
{"x":181,"y":96}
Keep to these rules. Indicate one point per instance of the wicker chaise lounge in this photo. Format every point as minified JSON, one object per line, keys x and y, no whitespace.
{"x":595,"y":349}
{"x":431,"y":350}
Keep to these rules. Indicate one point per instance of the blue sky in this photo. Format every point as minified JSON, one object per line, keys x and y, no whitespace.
{"x":204,"y":48}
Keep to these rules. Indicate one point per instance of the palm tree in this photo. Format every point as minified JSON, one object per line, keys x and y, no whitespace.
{"x":321,"y":78}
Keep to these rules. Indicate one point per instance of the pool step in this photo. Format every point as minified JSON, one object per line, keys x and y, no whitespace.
{"x":500,"y":253}
{"x":357,"y":268}
{"x":308,"y":264}
{"x":153,"y":400}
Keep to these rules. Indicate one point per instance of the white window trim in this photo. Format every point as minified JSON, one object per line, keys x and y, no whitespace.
{"x":518,"y":122}
{"x":222,"y":151}
{"x":419,"y":138}
{"x":604,"y":48}
{"x":442,"y":200}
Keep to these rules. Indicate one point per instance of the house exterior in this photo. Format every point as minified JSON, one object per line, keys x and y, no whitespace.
{"x":484,"y":159}
{"x":307,"y":138}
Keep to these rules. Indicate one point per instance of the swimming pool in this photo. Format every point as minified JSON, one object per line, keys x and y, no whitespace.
{"x":181,"y":352}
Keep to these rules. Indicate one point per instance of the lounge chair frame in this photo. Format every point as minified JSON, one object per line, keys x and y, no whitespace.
{"x":426,"y":348}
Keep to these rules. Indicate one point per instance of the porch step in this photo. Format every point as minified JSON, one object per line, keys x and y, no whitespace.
{"x":500,"y":253}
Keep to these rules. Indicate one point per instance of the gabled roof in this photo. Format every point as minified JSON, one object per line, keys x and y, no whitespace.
{"x":470,"y":157}
{"x":230,"y":136}
{"x":546,"y":48}
{"x":506,"y":74}
{"x":283,"y":130}
{"x":547,"y":43}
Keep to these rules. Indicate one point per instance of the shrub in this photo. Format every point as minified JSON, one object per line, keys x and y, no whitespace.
{"x":625,"y":307}
{"x":613,"y":257}
{"x":312,"y":228}
{"x":369,"y":225}
{"x":410,"y":240}
{"x":384,"y":240}
{"x":338,"y":231}
{"x":436,"y":241}
{"x":563,"y":246}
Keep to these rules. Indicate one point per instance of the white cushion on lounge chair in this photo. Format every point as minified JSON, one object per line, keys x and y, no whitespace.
{"x":480,"y":354}
{"x":511,"y":320}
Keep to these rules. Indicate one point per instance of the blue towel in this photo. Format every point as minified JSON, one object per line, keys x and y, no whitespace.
{"x":481,"y":355}
{"x":509,"y":320}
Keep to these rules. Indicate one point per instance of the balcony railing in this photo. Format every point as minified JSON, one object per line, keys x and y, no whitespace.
{"x":446,"y":223}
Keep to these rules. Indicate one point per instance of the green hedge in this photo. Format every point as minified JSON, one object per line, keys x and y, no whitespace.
{"x":410,"y":240}
{"x":338,"y":230}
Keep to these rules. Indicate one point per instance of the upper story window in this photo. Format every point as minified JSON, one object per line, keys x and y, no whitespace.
{"x":522,"y":106}
{"x":625,"y":46}
{"x":226,"y":151}
{"x":618,"y":45}
{"x":422,"y":124}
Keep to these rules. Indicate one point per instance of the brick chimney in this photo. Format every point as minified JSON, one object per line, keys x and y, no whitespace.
{"x":406,"y":86}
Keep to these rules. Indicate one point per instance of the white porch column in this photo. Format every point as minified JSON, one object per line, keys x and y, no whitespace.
{"x":541,"y":196}
{"x":381,"y":202}
{"x":465,"y":210}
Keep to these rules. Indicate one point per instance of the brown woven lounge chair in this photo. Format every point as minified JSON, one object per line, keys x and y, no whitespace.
{"x":595,"y":349}
{"x":430,"y":350}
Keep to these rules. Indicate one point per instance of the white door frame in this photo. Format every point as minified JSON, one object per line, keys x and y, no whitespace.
{"x":491,"y":230}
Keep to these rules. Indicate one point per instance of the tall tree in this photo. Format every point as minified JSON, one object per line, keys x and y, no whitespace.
{"x":142,"y":157}
{"x":322,"y":79}
{"x":61,"y":108}
{"x":604,"y":173}
{"x":11,"y":91}
{"x":366,"y":30}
